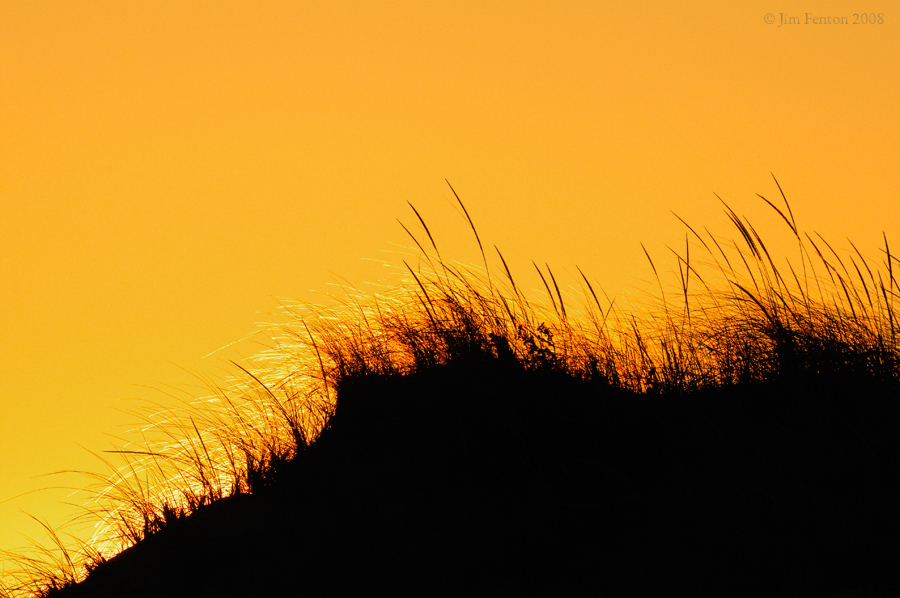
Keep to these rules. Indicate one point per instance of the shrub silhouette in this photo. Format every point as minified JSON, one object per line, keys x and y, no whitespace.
{"x":451,"y":436}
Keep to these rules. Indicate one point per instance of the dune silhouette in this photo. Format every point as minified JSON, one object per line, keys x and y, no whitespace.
{"x":471,"y":442}
{"x":482,"y":478}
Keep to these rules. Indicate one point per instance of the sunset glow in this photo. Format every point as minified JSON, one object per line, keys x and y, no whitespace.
{"x":168,"y":170}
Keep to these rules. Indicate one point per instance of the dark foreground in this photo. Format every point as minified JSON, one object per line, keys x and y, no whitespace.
{"x":486,"y":480}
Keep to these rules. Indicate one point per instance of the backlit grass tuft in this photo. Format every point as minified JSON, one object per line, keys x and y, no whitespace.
{"x":734,"y":318}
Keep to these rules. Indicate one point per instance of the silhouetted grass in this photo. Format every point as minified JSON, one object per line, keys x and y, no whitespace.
{"x":736,"y":361}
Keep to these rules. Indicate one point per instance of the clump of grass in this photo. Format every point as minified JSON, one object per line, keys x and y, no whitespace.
{"x":41,"y":569}
{"x":739,"y":319}
{"x":182,"y":457}
{"x":757,"y":324}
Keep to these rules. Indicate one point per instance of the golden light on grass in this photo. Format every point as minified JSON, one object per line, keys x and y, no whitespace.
{"x":167,"y":168}
{"x":738,"y":319}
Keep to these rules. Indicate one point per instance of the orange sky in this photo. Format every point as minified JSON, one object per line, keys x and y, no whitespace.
{"x":168,"y":168}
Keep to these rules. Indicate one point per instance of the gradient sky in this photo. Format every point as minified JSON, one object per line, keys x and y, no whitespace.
{"x":167,"y":169}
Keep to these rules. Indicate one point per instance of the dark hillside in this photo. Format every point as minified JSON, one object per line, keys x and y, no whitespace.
{"x":481,"y":478}
{"x":739,"y":438}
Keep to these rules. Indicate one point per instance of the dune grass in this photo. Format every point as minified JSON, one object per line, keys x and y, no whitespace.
{"x":736,"y":317}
